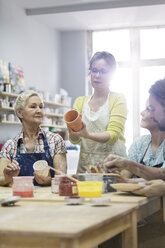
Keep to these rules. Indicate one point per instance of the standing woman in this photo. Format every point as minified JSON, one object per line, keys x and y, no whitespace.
{"x":103,"y":114}
{"x":31,"y":144}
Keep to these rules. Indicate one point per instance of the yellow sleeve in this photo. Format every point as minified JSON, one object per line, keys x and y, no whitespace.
{"x":78,"y":105}
{"x":118,"y":116}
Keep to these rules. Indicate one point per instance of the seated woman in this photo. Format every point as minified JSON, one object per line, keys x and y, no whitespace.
{"x":146,"y":150}
{"x":31,"y":144}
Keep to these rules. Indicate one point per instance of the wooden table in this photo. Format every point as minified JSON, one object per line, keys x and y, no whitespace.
{"x":56,"y":224}
{"x":50,"y":221}
{"x":146,"y":206}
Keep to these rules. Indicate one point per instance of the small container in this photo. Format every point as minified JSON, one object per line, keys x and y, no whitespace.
{"x":23,"y":186}
{"x":90,"y":189}
{"x":55,"y":184}
{"x":101,"y":201}
{"x":10,"y":117}
{"x":94,"y":177}
{"x":107,"y":181}
{"x":74,"y":200}
{"x":41,"y":168}
{"x":67,"y":187}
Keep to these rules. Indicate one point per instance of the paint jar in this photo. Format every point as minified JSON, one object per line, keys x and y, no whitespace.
{"x":107,"y":181}
{"x":55,"y":184}
{"x":67,"y":187}
{"x":23,"y":186}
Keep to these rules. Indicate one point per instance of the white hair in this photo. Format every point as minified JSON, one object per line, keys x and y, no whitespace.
{"x":22,"y":99}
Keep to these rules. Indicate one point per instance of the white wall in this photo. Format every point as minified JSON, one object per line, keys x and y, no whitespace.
{"x":33,"y":46}
{"x":30,"y":44}
{"x":73,"y":62}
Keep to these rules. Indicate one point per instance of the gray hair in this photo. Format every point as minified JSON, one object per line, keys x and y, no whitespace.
{"x":22,"y":99}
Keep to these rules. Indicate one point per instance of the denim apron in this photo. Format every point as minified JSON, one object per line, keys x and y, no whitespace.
{"x":156,"y":165}
{"x":26,"y":160}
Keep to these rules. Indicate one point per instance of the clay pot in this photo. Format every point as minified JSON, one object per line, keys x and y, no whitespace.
{"x":73,"y":120}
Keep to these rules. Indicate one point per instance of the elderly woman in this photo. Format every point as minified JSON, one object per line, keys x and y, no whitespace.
{"x":31,"y":144}
{"x":103,"y":113}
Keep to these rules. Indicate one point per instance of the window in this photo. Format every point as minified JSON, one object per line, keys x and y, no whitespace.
{"x":152,"y":43}
{"x":111,"y":41}
{"x":140,"y":55}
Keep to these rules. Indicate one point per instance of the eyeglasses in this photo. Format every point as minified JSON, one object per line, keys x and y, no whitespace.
{"x":101,"y":72}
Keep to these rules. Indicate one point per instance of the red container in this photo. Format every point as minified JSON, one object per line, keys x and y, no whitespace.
{"x":67,"y":187}
{"x":23,"y":186}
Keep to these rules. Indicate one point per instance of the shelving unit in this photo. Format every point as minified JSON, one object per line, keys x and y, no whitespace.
{"x":47,"y":103}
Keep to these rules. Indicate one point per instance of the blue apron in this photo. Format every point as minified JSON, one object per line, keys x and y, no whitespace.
{"x":26,"y":160}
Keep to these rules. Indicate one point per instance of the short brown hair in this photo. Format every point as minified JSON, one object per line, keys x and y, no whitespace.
{"x":108,"y":57}
{"x":158,"y":91}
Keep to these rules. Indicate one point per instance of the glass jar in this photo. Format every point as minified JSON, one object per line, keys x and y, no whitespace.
{"x":67,"y":187}
{"x":23,"y":186}
{"x":107,"y":181}
{"x":55,"y":184}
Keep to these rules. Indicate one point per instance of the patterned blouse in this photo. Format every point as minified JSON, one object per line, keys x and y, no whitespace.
{"x":55,"y":142}
{"x":141,"y":151}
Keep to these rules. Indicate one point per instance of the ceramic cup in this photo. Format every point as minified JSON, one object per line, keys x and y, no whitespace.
{"x":73,"y":120}
{"x":41,"y":168}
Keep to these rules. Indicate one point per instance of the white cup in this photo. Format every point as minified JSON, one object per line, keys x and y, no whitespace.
{"x":41,"y":168}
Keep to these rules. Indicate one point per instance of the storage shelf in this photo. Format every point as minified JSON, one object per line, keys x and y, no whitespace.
{"x":2,"y":93}
{"x":7,"y":108}
{"x":53,"y":115}
{"x":47,"y":114}
{"x":57,"y":104}
{"x":43,"y":125}
{"x":10,"y":122}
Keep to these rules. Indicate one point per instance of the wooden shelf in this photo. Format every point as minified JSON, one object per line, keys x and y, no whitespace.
{"x":2,"y":93}
{"x":57,"y":104}
{"x":42,"y":125}
{"x":56,"y":126}
{"x":7,"y":108}
{"x":46,"y":114}
{"x":47,"y":103}
{"x":10,"y":122}
{"x":53,"y":115}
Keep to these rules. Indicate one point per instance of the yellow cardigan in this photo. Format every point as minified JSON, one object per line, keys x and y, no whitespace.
{"x":118,"y":116}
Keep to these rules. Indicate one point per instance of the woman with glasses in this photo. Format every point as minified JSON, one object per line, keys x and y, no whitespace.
{"x":103,"y":113}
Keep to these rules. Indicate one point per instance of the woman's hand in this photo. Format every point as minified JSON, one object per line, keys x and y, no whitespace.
{"x":114,"y":163}
{"x":11,"y":170}
{"x":81,"y":133}
{"x":42,"y":179}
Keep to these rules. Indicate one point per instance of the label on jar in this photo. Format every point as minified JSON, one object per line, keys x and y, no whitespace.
{"x":74,"y":190}
{"x":55,"y":188}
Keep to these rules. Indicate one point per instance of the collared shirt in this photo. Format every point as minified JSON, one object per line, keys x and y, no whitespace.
{"x":55,"y":142}
{"x":141,"y":148}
